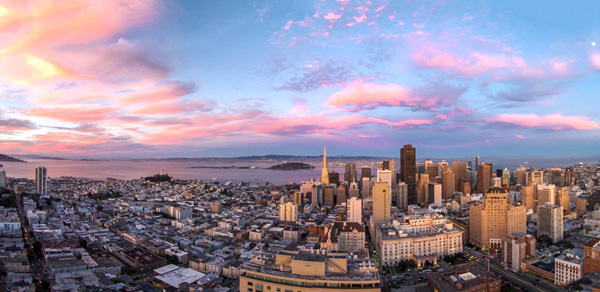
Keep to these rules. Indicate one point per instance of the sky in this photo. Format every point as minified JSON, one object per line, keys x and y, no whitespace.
{"x":165,"y":78}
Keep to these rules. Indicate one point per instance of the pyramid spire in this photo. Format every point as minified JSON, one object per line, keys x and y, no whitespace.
{"x":325,"y":171}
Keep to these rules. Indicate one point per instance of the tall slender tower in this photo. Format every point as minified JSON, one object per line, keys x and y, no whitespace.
{"x":325,"y":171}
{"x":408,"y":171}
{"x":41,"y":180}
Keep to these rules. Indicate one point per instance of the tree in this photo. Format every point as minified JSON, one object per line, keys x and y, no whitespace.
{"x":99,"y":208}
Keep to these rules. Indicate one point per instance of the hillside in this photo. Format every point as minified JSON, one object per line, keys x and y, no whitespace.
{"x":6,"y":158}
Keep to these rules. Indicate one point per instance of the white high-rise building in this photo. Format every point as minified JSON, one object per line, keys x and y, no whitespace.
{"x":41,"y":180}
{"x":550,"y":222}
{"x":354,"y":210}
{"x":288,"y":213}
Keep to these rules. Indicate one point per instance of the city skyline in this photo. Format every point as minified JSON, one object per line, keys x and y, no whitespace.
{"x":216,"y":79}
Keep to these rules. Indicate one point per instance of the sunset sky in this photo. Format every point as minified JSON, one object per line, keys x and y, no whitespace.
{"x":195,"y":78}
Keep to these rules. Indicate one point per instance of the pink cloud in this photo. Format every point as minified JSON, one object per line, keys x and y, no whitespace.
{"x":75,"y":113}
{"x":361,"y":18}
{"x":359,"y":95}
{"x":332,"y":16}
{"x":595,"y":60}
{"x":550,"y":121}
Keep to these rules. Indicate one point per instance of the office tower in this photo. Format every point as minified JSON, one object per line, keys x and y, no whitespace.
{"x":366,"y":187}
{"x":535,"y":177}
{"x":382,"y":202}
{"x":496,"y":182}
{"x":476,"y":160}
{"x":528,"y":197}
{"x":306,"y":186}
{"x":340,"y":196}
{"x":447,"y":183}
{"x":432,"y":172}
{"x":460,"y":172}
{"x":328,"y":196}
{"x":464,"y":187}
{"x":440,"y":167}
{"x":348,"y":173}
{"x":386,"y":176}
{"x":41,"y":180}
{"x":408,"y":171}
{"x":299,"y":199}
{"x":484,"y":177}
{"x":490,"y":222}
{"x":555,"y":177}
{"x":521,"y":175}
{"x":568,"y":177}
{"x":288,"y":213}
{"x":423,"y":188}
{"x":498,"y":172}
{"x":545,"y":194}
{"x":353,"y":191}
{"x":402,"y":201}
{"x":325,"y":171}
{"x":426,"y":163}
{"x":505,"y":178}
{"x":2,"y":179}
{"x":334,"y":178}
{"x":516,"y":248}
{"x":550,"y":222}
{"x":365,"y":171}
{"x":434,"y":193}
{"x":317,"y":195}
{"x":581,"y":205}
{"x":562,"y":199}
{"x":353,"y":173}
{"x":354,"y":210}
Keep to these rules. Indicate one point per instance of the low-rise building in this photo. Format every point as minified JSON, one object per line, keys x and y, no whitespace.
{"x":467,"y":278}
{"x":569,"y":267}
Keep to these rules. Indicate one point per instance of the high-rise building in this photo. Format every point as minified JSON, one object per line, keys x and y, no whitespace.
{"x":555,"y":176}
{"x":521,"y":175}
{"x":550,"y":222}
{"x":402,"y":201}
{"x":440,"y":166}
{"x":365,"y":171}
{"x":408,"y":171}
{"x":41,"y":180}
{"x":317,"y":195}
{"x":545,"y":194}
{"x":354,"y":210}
{"x":325,"y":171}
{"x":568,"y":177}
{"x":423,"y":188}
{"x":334,"y":178}
{"x":340,"y":194}
{"x":563,"y":199}
{"x":299,"y":199}
{"x":464,"y":187}
{"x":484,"y":177}
{"x":434,"y":193}
{"x":591,"y":259}
{"x":447,"y":183}
{"x":505,"y":178}
{"x":353,"y":173}
{"x":528,"y":197}
{"x":354,"y":191}
{"x":535,"y":177}
{"x":348,"y":173}
{"x":288,"y":213}
{"x":490,"y":222}
{"x":2,"y":179}
{"x":382,"y":202}
{"x":328,"y":196}
{"x":431,"y":170}
{"x":366,"y":187}
{"x":516,"y":248}
{"x":460,"y":172}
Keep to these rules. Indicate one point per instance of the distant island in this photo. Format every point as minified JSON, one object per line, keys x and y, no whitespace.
{"x":291,"y":166}
{"x":225,"y":167}
{"x":6,"y":158}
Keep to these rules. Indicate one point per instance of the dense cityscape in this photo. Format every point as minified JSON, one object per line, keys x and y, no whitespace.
{"x":422,"y":226}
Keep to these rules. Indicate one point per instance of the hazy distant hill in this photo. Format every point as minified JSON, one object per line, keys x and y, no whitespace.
{"x":6,"y":158}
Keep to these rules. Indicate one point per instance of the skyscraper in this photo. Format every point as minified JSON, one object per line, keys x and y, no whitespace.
{"x":460,"y":172}
{"x":288,"y":213}
{"x":490,"y":222}
{"x":423,"y":188}
{"x":402,"y":201}
{"x":545,"y":194}
{"x":325,"y":171}
{"x":347,"y":173}
{"x":41,"y":180}
{"x":354,"y":210}
{"x":521,"y":175}
{"x":550,"y":222}
{"x":365,"y":171}
{"x":484,"y":177}
{"x":382,"y":202}
{"x":447,"y":182}
{"x":2,"y":179}
{"x":408,"y":171}
{"x":353,"y":174}
{"x":528,"y":197}
{"x":568,"y":177}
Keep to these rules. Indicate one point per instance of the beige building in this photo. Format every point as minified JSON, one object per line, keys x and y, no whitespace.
{"x":344,"y":236}
{"x":562,"y":199}
{"x":354,"y":210}
{"x":423,"y":195}
{"x":382,"y":201}
{"x":448,"y":182}
{"x":528,"y":197}
{"x":545,"y":194}
{"x":569,"y":267}
{"x":550,"y":222}
{"x":496,"y":218}
{"x":516,"y":248}
{"x":299,"y":271}
{"x":419,"y":237}
{"x":288,"y":213}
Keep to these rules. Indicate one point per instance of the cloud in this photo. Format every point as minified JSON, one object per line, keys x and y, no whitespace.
{"x":75,"y":113}
{"x":332,"y":16}
{"x":595,"y":60}
{"x":527,"y":91}
{"x":360,"y":95}
{"x":556,"y":121}
{"x":16,"y":125}
{"x":319,"y":75}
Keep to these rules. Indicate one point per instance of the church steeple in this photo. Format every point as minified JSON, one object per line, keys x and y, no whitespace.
{"x":325,"y":171}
